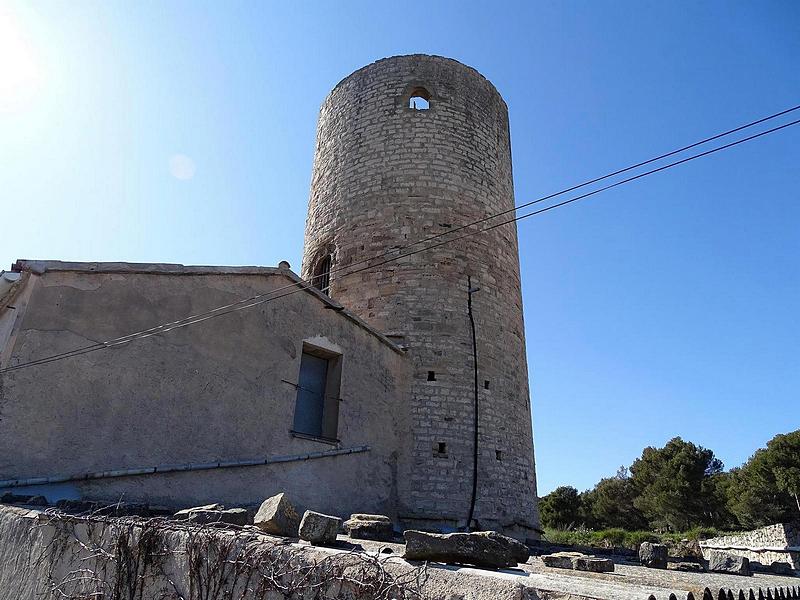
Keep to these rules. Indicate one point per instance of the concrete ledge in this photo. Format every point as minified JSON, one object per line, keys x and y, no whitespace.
{"x":43,"y":266}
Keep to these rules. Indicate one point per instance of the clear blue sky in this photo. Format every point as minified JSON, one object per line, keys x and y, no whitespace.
{"x":667,"y":307}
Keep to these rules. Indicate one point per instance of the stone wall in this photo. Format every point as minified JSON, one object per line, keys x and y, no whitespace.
{"x":220,"y":390}
{"x":386,"y":175}
{"x":775,"y":543}
{"x":48,"y":557}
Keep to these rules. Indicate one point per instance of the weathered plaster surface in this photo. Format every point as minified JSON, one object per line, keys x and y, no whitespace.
{"x":210,"y":392}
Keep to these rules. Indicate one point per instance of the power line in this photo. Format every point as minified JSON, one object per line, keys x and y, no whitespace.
{"x":296,"y":287}
{"x":161,"y":328}
{"x":459,"y":228}
{"x":575,"y":187}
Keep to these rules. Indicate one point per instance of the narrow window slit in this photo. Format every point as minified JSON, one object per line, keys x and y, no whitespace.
{"x":431,"y":375}
{"x":486,"y":384}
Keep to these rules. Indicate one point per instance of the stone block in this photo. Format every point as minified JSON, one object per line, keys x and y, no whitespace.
{"x":186,"y":512}
{"x":561,"y":560}
{"x":276,"y":515}
{"x":369,"y":527}
{"x":9,"y":498}
{"x":578,"y":561}
{"x":593,"y":564}
{"x":367,"y":517}
{"x":689,"y":567}
{"x":319,"y":529}
{"x":782,"y":568}
{"x":652,"y":555}
{"x":214,"y":513}
{"x":236,"y":516}
{"x":482,"y":548}
{"x":724,"y":562}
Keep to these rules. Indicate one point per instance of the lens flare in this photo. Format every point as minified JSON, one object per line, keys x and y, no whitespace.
{"x":20,"y":76}
{"x":181,"y":166}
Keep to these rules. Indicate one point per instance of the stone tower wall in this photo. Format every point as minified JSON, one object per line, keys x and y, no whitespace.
{"x":386,"y":175}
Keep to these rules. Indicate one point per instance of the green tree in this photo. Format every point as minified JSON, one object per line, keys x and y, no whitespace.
{"x":788,"y":480}
{"x":717,"y":488}
{"x":672,"y":485}
{"x":766,"y":489}
{"x":612,"y":503}
{"x":561,"y":508}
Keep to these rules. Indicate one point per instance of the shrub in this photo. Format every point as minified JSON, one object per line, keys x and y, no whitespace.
{"x":634,"y":539}
{"x":617,"y":537}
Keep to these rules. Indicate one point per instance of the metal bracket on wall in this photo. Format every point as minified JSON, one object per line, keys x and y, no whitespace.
{"x":297,"y":386}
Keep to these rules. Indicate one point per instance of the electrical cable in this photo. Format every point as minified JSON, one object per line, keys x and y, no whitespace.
{"x":449,"y":232}
{"x":299,"y":286}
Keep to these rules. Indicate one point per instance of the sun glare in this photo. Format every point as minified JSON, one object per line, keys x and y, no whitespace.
{"x":20,"y":76}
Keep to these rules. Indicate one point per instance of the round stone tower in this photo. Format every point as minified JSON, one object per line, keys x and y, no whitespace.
{"x":407,"y":148}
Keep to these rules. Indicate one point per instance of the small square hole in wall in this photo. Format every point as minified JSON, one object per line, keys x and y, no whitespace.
{"x":498,"y":454}
{"x":486,"y":384}
{"x":440,"y":449}
{"x":431,"y":375}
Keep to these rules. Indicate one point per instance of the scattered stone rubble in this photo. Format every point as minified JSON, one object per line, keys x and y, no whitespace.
{"x":560,"y":560}
{"x":687,"y":567}
{"x":725,"y":562}
{"x":766,"y":546}
{"x":276,"y":515}
{"x":9,"y":498}
{"x":319,"y":529}
{"x":214,"y":513}
{"x":781,"y":568}
{"x":369,"y":527}
{"x":577,"y":561}
{"x":653,"y":555}
{"x":487,"y":549}
{"x":582,"y":576}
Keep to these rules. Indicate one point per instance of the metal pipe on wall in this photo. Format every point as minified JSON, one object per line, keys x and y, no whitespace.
{"x":10,"y":483}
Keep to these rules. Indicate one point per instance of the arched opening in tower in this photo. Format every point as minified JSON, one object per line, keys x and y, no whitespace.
{"x":420,"y":99}
{"x":322,"y":275}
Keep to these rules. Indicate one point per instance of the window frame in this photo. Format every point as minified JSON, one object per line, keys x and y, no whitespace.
{"x":329,"y":423}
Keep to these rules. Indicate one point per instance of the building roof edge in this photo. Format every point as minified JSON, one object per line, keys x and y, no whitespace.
{"x":39,"y":267}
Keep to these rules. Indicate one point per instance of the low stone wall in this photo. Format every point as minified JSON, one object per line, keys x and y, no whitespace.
{"x":46,"y":555}
{"x":775,"y":543}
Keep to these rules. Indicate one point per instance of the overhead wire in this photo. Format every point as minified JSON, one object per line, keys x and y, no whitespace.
{"x":302,"y":285}
{"x":472,"y":223}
